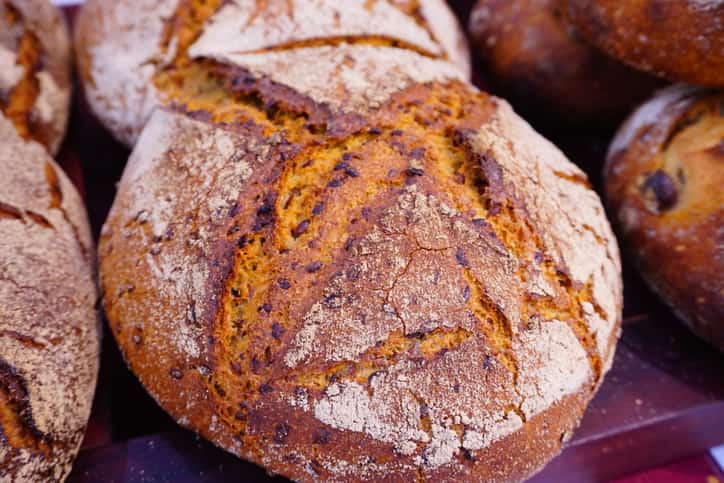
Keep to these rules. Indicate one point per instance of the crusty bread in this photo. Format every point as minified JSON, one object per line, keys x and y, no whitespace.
{"x":535,"y":57}
{"x":664,"y":182}
{"x":49,"y":327}
{"x":342,"y":262}
{"x":124,"y":47}
{"x":49,"y":331}
{"x":679,"y":40}
{"x":34,"y":70}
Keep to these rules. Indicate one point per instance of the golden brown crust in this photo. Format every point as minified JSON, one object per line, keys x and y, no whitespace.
{"x":34,"y":70}
{"x":535,"y":56}
{"x":49,"y":328}
{"x":663,"y":181}
{"x":121,"y":53}
{"x":357,"y":266}
{"x":681,"y":41}
{"x":215,"y":304}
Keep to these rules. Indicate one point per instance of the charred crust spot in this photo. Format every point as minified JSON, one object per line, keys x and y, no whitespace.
{"x":659,"y":191}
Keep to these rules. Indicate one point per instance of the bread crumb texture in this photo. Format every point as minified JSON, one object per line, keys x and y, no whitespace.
{"x":34,"y":70}
{"x":49,"y":329}
{"x":381,"y":273}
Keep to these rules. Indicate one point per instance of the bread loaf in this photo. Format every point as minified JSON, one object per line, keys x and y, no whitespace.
{"x":127,"y":49}
{"x":34,"y":70}
{"x":664,"y":182}
{"x":339,"y":260}
{"x":534,"y":55}
{"x":680,"y":41}
{"x":49,"y":328}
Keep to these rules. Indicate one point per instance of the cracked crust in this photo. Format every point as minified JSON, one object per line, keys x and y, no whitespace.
{"x":124,"y":47}
{"x":35,"y":70}
{"x":663,"y":183}
{"x":681,"y":41}
{"x":49,"y":335}
{"x":430,"y":291}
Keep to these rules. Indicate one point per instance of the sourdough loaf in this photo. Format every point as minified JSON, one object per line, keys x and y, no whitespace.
{"x":34,"y":70}
{"x":681,"y":41}
{"x":49,"y":328}
{"x":339,"y":260}
{"x":664,"y":182}
{"x":534,"y":55}
{"x":49,"y":332}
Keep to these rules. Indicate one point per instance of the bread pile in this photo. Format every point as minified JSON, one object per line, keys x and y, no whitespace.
{"x":49,"y":331}
{"x":331,"y":255}
{"x":663,"y":174}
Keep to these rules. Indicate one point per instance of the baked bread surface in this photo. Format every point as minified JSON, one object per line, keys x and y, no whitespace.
{"x":34,"y":70}
{"x":125,"y":48}
{"x":357,"y":266}
{"x":680,"y":41}
{"x":49,"y":329}
{"x":535,"y":56}
{"x":664,"y":183}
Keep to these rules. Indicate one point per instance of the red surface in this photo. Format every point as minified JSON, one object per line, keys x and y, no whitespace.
{"x":700,"y":469}
{"x":663,"y":399}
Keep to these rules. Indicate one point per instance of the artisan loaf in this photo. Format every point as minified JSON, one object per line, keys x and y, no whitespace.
{"x":128,"y":50}
{"x":341,"y":261}
{"x":49,"y":326}
{"x":664,"y":182}
{"x":680,"y":41}
{"x":534,"y":56}
{"x":49,"y":329}
{"x":34,"y":70}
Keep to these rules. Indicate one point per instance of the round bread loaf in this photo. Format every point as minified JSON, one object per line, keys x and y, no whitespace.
{"x":49,"y":328}
{"x":34,"y":70}
{"x":342,"y":262}
{"x":681,"y":40}
{"x":664,"y":182}
{"x":535,"y":57}
{"x":124,"y":48}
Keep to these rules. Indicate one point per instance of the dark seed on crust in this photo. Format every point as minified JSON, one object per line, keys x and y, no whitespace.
{"x":320,"y":436}
{"x":466,"y":293}
{"x":415,"y":172}
{"x":265,"y":389}
{"x":660,"y":189}
{"x":461,"y":258}
{"x":176,"y":373}
{"x":340,"y":166}
{"x":300,"y":229}
{"x":277,"y":330}
{"x":335,"y":183}
{"x":284,"y":284}
{"x":318,"y":208}
{"x":313,"y":267}
{"x":418,"y":153}
{"x":396,"y":132}
{"x":375,"y":131}
{"x":281,"y":432}
{"x":346,"y":156}
{"x":351,"y":172}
